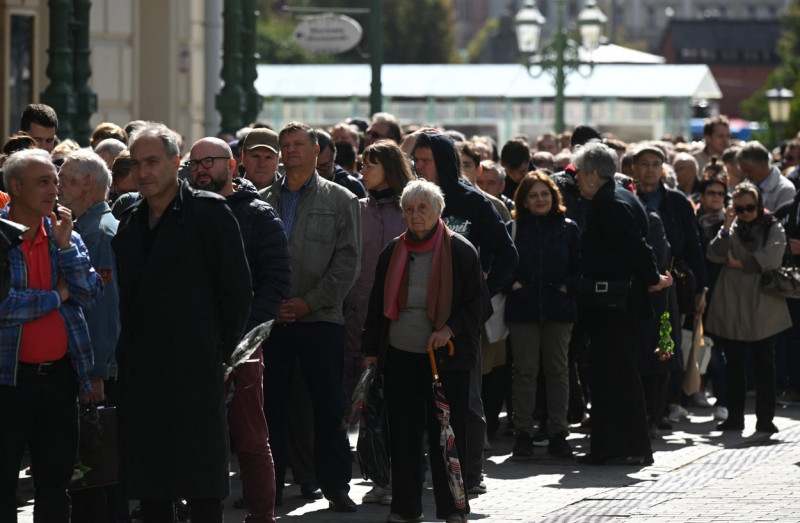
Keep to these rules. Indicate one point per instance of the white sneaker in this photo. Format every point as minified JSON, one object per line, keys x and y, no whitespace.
{"x":480,"y":488}
{"x":721,"y":413}
{"x":676,"y":412}
{"x":375,"y":495}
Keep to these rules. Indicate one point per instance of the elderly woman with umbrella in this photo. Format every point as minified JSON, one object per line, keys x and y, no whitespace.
{"x":429,"y":290}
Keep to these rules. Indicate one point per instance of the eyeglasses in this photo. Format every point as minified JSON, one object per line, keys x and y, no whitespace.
{"x":376,"y":135}
{"x":207,"y":162}
{"x":750,"y":207}
{"x":714,"y":193}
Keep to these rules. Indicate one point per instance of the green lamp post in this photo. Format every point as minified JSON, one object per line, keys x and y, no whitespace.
{"x":230,"y":100}
{"x":60,"y":93}
{"x":560,"y":55}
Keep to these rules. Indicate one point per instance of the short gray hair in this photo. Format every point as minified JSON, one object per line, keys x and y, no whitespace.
{"x":596,"y":156}
{"x":86,"y":161}
{"x":111,"y":146}
{"x":489,"y":165}
{"x":423,"y":190}
{"x":687,"y":158}
{"x":160,"y":131}
{"x":17,"y":163}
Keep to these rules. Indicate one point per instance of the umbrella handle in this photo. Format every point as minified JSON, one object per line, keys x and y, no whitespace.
{"x":432,"y":358}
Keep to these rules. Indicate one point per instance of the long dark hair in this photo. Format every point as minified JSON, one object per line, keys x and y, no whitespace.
{"x":391,"y":158}
{"x":520,"y":212}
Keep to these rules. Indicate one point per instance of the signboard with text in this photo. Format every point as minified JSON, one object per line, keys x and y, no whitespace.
{"x":328,"y":33}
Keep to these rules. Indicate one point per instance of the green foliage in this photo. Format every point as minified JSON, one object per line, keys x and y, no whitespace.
{"x":419,"y":32}
{"x":786,"y":75}
{"x":476,"y":46}
{"x":414,"y":31}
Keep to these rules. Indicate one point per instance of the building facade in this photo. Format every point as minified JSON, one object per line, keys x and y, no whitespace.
{"x":149,"y":60}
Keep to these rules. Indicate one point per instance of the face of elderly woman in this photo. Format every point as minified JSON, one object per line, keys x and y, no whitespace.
{"x":421,"y":216}
{"x":746,"y":208}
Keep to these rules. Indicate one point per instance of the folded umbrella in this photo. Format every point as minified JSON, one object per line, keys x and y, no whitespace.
{"x":447,"y":437}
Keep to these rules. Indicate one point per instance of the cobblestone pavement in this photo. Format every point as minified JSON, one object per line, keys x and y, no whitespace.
{"x":699,"y":475}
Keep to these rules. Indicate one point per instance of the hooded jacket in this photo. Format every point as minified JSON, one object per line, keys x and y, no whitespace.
{"x":469,"y":213}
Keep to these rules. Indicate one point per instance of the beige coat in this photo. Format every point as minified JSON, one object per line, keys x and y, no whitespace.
{"x":739,"y":310}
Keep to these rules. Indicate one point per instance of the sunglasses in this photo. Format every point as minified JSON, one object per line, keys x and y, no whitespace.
{"x":751,"y":207}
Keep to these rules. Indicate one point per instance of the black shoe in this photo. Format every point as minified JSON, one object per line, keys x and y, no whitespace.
{"x":766,"y":426}
{"x":588,"y":459}
{"x":664,"y":424}
{"x":730,"y":424}
{"x":540,"y":439}
{"x":339,"y":501}
{"x":559,"y":446}
{"x":630,"y":461}
{"x":523,"y":447}
{"x":308,"y":491}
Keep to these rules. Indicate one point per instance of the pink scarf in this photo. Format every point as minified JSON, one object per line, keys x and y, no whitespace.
{"x":440,"y":282}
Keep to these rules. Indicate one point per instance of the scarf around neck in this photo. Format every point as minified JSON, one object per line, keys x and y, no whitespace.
{"x":440,"y":282}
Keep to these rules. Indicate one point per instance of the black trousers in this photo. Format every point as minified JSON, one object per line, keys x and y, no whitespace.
{"x":41,"y":412}
{"x":410,"y":410}
{"x":736,"y":377}
{"x":619,"y":419}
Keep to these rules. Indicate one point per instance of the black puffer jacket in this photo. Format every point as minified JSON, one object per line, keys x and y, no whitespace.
{"x":469,"y":213}
{"x":267,"y":250}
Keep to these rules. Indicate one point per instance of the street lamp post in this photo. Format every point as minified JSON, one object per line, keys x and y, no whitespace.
{"x":779,"y":100}
{"x":560,"y":55}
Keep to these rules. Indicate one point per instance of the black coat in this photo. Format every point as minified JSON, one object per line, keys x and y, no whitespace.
{"x":471,"y":308}
{"x":614,"y":248}
{"x":267,"y":250}
{"x":183,"y":309}
{"x":680,"y":225}
{"x":10,"y":237}
{"x":549,"y":253}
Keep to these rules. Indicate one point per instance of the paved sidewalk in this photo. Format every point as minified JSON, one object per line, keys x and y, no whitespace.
{"x":699,"y":475}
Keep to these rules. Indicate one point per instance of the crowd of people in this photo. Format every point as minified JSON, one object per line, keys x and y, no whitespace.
{"x":536,"y":276}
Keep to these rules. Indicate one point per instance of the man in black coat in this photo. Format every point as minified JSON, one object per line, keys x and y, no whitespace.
{"x":680,"y":225}
{"x":212,"y":168}
{"x":185,"y":298}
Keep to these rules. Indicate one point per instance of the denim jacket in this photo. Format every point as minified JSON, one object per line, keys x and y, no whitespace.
{"x":97,"y":226}
{"x":24,"y":304}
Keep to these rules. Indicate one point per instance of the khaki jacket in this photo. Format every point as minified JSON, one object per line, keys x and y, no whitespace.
{"x":325,"y":245}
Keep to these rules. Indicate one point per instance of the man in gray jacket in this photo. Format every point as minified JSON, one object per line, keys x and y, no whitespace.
{"x":323,"y":224}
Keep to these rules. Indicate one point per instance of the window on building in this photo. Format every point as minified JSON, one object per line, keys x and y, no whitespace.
{"x":651,"y":18}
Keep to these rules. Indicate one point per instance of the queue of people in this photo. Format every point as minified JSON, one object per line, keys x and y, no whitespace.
{"x":131,"y":272}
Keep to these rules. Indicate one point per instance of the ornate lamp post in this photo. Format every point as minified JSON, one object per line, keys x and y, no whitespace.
{"x":560,"y":55}
{"x":779,"y":100}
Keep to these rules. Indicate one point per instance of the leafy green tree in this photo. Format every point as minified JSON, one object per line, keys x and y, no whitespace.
{"x":786,"y":75}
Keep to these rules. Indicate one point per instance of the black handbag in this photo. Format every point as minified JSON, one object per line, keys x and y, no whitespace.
{"x":783,"y":282}
{"x":98,"y":457}
{"x":611,"y":295}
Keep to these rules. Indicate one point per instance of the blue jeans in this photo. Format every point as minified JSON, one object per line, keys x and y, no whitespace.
{"x":318,"y":349}
{"x":42,"y":412}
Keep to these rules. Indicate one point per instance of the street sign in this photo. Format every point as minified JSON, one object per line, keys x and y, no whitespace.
{"x":328,"y":33}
